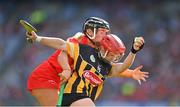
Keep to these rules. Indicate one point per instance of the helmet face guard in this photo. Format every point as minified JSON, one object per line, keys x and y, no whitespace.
{"x":113,"y":45}
{"x":94,"y":23}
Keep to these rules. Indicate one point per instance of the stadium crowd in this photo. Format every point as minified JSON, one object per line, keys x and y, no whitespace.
{"x":158,"y":22}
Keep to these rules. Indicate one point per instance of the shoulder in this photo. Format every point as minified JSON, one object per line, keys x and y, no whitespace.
{"x":76,"y":37}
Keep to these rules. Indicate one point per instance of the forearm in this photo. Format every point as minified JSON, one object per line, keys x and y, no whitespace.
{"x":138,"y":44}
{"x":128,"y":61}
{"x":51,"y":42}
{"x":127,"y":73}
{"x":66,"y":70}
{"x":63,"y":61}
{"x":118,"y":68}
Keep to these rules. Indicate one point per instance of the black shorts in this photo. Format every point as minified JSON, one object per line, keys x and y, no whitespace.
{"x":68,"y":99}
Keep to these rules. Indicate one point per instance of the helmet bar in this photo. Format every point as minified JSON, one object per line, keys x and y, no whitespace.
{"x":105,"y":54}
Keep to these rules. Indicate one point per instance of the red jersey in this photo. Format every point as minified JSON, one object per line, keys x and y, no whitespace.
{"x":45,"y":75}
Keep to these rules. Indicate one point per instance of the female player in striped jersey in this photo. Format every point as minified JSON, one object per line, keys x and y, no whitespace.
{"x":87,"y":87}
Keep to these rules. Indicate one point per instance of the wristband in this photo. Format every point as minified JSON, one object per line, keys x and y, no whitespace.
{"x":133,"y":50}
{"x":38,"y":39}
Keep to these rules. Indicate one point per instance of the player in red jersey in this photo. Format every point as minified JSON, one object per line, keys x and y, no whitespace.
{"x":44,"y":82}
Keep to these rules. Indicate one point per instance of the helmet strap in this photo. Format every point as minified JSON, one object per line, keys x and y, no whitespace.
{"x":102,"y":57}
{"x":94,"y":34}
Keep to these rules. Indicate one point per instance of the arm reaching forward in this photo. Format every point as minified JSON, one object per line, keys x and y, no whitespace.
{"x":135,"y":74}
{"x":117,"y":68}
{"x":52,"y":42}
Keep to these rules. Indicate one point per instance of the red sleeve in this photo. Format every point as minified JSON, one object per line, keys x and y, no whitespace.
{"x":74,"y":40}
{"x":82,"y":40}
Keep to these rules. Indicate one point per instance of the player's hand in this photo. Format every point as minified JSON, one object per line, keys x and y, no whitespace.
{"x":64,"y":76}
{"x":138,"y":44}
{"x":139,"y":75}
{"x":31,"y":35}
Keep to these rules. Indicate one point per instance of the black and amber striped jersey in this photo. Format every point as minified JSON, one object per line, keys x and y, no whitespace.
{"x":89,"y":71}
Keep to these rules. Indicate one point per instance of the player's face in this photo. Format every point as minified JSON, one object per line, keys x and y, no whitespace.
{"x":110,"y":56}
{"x":101,"y":32}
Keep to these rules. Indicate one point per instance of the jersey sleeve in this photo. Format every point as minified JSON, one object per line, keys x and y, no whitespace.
{"x":73,"y":40}
{"x":78,"y":38}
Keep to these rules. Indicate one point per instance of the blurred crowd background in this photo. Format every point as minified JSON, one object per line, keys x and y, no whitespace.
{"x":158,"y":21}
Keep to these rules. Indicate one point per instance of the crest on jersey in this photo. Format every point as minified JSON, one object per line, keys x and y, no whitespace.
{"x":92,"y":58}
